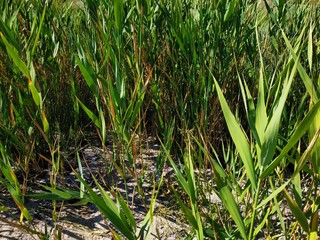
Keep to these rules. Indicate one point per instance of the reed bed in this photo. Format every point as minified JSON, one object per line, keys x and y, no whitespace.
{"x":228,"y":87}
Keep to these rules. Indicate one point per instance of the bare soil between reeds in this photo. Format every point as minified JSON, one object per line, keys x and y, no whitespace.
{"x":86,"y":222}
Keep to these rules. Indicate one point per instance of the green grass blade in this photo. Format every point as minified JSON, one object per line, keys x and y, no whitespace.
{"x":261,"y":111}
{"x":146,"y":228}
{"x":278,"y":208}
{"x":303,"y":74}
{"x":301,"y":163}
{"x":310,"y":47}
{"x":35,"y":94}
{"x":262,"y":223}
{"x":118,"y":13}
{"x":46,"y":196}
{"x":63,"y":194}
{"x":8,"y":35}
{"x":181,"y":180}
{"x":271,"y":134}
{"x":15,"y":57}
{"x":45,"y":122}
{"x":239,"y":138}
{"x":102,"y":123}
{"x":90,"y":114}
{"x":81,"y":174}
{"x":11,"y":183}
{"x":88,"y":76}
{"x":228,"y":200}
{"x":297,"y":212}
{"x":188,"y":213}
{"x":39,"y":30}
{"x":122,"y":224}
{"x":300,"y":130}
{"x":126,"y":210}
{"x":108,"y":208}
{"x":230,"y":9}
{"x":273,"y":194}
{"x":189,"y":169}
{"x":250,"y":109}
{"x":24,"y":69}
{"x":315,"y":155}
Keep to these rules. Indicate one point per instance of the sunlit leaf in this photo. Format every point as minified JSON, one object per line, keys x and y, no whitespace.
{"x":15,"y":57}
{"x":238,"y":136}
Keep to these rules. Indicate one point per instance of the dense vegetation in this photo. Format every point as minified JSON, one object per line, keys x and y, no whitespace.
{"x":230,"y":86}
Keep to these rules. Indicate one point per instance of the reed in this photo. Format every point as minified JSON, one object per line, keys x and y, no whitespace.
{"x":227,"y":87}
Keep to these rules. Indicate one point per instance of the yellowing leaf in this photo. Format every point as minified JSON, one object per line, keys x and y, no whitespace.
{"x":35,"y":94}
{"x":45,"y":122}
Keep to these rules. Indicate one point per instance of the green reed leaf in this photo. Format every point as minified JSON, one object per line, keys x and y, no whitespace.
{"x":88,"y":74}
{"x":118,"y":12}
{"x":63,"y":194}
{"x":45,"y":122}
{"x":230,"y":8}
{"x":119,"y":222}
{"x":310,"y":47}
{"x":303,"y":74}
{"x":315,"y":154}
{"x":299,"y":131}
{"x":188,"y":213}
{"x":297,"y":212}
{"x":39,"y":30}
{"x":261,"y":120}
{"x":35,"y":94}
{"x":228,"y":200}
{"x":273,"y":194}
{"x":15,"y":57}
{"x":108,"y":208}
{"x":90,"y":114}
{"x":81,"y":174}
{"x":302,"y":161}
{"x":9,"y":35}
{"x":127,"y":212}
{"x":181,"y":180}
{"x":271,"y":134}
{"x":239,"y":137}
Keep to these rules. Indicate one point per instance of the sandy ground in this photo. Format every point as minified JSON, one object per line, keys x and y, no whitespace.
{"x":86,"y":222}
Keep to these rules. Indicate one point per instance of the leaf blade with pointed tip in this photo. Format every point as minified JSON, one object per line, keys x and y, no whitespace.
{"x":297,"y":212}
{"x":238,"y":136}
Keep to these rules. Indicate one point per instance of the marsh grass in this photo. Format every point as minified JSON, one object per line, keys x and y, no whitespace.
{"x":227,"y":87}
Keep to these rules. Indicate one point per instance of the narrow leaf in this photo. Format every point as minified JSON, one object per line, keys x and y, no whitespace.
{"x":45,"y":122}
{"x":300,"y":130}
{"x":88,"y":76}
{"x":34,"y":92}
{"x":273,"y":194}
{"x":228,"y":200}
{"x":297,"y":212}
{"x":304,"y":76}
{"x":186,"y":211}
{"x":108,"y":208}
{"x":126,"y":210}
{"x":271,"y":134}
{"x":118,"y":12}
{"x":15,"y":57}
{"x":90,"y":114}
{"x":239,"y":137}
{"x":310,"y":48}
